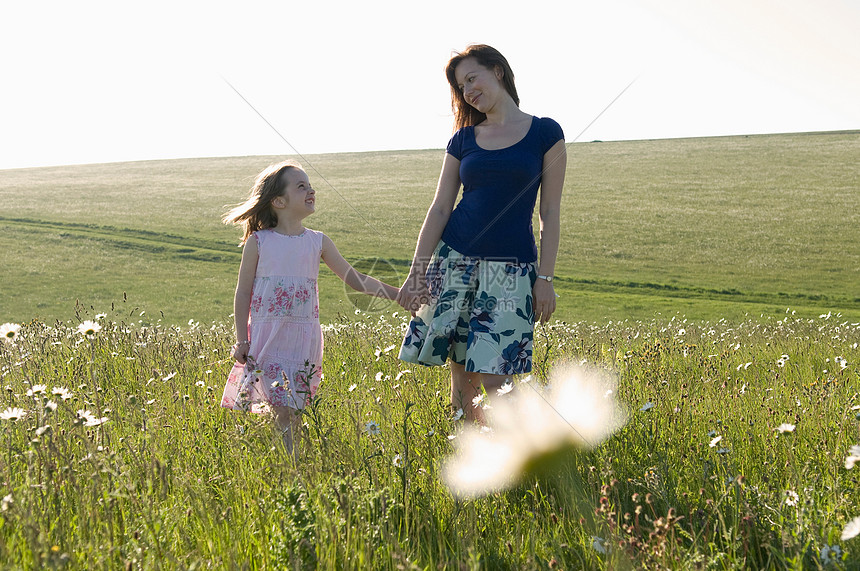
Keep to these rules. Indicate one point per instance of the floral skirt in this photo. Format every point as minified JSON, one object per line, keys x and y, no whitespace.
{"x":480,"y":315}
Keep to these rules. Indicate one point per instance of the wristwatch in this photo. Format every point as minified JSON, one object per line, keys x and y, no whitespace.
{"x":547,"y":278}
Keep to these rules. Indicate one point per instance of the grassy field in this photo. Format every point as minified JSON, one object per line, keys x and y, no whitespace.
{"x":114,"y":454}
{"x":710,"y":228}
{"x":713,"y":281}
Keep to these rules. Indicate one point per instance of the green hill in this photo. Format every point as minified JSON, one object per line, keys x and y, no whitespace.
{"x":705,"y":228}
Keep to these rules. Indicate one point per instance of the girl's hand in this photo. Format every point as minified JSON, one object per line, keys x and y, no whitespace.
{"x":414,"y":293}
{"x":543,"y":294}
{"x":240,"y":352}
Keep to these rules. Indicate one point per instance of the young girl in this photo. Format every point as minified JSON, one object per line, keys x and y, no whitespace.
{"x":279,"y":343}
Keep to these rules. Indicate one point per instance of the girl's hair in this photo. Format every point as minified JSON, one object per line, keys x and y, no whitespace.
{"x":464,"y":114}
{"x":257,"y":213}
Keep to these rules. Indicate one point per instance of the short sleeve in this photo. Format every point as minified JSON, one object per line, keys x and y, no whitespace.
{"x":550,"y":133}
{"x":455,"y":145}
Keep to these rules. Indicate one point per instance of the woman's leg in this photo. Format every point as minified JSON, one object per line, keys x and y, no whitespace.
{"x":466,"y":386}
{"x":288,"y":422}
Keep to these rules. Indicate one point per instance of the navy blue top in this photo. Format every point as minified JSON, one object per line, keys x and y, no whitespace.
{"x":493,"y":218}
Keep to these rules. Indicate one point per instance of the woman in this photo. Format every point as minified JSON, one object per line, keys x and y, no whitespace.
{"x":476,"y":286}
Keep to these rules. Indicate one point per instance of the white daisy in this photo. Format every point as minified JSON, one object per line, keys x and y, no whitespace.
{"x":62,"y":392}
{"x":853,"y":457}
{"x":648,"y":406}
{"x":507,"y":387}
{"x":37,"y":390}
{"x":397,"y":461}
{"x":13,"y":413}
{"x":784,"y":427}
{"x":715,"y":441}
{"x":9,"y":331}
{"x":89,"y":329}
{"x":573,"y":415}
{"x":791,"y":498}
{"x":852,"y":528}
{"x":372,"y":428}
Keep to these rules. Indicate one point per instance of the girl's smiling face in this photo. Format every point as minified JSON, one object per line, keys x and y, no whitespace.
{"x":480,"y":85}
{"x":299,"y":197}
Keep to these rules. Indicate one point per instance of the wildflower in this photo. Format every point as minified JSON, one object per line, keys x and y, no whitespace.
{"x":89,"y":329}
{"x":372,"y":428}
{"x":379,"y":376}
{"x":37,"y":390}
{"x":13,"y":413}
{"x":782,"y":360}
{"x":95,"y":421}
{"x":791,"y":498}
{"x":50,"y":406}
{"x":9,"y":331}
{"x":597,"y":544}
{"x":170,"y":376}
{"x":507,"y":387}
{"x":397,"y":461}
{"x":784,"y":427}
{"x":830,"y":554}
{"x":62,"y":392}
{"x":352,"y":387}
{"x":723,"y":451}
{"x":715,"y":441}
{"x":853,"y":457}
{"x":476,"y":402}
{"x":852,"y":528}
{"x":43,"y":429}
{"x":458,"y":414}
{"x":7,"y":502}
{"x":648,"y":406}
{"x":401,"y":373}
{"x":572,"y":415}
{"x":100,"y":316}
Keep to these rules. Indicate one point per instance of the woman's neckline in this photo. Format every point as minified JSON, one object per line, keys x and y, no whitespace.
{"x":515,"y":143}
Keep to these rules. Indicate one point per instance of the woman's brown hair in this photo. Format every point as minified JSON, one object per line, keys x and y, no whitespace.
{"x":257,"y":213}
{"x":464,"y":114}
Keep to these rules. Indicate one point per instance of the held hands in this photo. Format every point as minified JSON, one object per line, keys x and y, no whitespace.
{"x":240,"y":352}
{"x":413,"y":293}
{"x":543,"y":294}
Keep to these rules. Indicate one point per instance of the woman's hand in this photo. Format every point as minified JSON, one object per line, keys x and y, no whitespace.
{"x":543,"y":294}
{"x":414,"y":293}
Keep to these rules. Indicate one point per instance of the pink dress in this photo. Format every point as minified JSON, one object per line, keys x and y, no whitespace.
{"x":284,"y":363}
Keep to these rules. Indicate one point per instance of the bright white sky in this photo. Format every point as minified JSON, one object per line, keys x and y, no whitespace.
{"x":86,"y":82}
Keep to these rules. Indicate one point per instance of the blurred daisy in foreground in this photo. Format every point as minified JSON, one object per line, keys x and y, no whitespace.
{"x":9,"y":331}
{"x":853,"y":457}
{"x":534,"y":429}
{"x":852,"y":528}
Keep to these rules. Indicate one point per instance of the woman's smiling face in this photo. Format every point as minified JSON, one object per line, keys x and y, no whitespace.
{"x":480,"y":86}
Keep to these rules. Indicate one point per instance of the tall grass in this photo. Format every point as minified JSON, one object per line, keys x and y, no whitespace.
{"x":699,"y":478}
